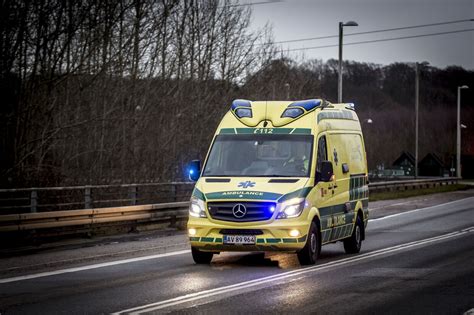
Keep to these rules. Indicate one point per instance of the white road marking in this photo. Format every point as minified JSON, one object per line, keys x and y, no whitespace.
{"x":275,"y":278}
{"x":94,"y":266}
{"x":125,"y":261}
{"x":417,"y":210}
{"x":73,"y":260}
{"x":395,"y":204}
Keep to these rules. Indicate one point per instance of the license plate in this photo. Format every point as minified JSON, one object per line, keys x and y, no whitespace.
{"x":239,"y":239}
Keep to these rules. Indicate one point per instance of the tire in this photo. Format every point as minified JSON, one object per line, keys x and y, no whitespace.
{"x":310,"y":252}
{"x":353,"y":244}
{"x":201,"y":257}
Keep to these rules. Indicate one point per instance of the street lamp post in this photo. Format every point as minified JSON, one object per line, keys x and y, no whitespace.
{"x":458,"y":133}
{"x":287,"y":87}
{"x":339,"y":86}
{"x":417,"y":105}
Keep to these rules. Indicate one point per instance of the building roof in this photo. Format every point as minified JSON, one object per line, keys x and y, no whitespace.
{"x":431,"y":159}
{"x":405,"y":155}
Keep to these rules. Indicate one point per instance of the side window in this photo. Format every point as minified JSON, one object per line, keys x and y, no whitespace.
{"x":322,"y":156}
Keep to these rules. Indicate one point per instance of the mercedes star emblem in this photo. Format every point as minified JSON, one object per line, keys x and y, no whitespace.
{"x":239,"y":210}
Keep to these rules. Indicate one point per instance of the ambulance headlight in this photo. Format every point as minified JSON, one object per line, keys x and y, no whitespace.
{"x":291,"y":208}
{"x":243,"y":112}
{"x":196,"y":208}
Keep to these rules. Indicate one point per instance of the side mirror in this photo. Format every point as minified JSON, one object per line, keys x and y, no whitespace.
{"x":326,"y":171}
{"x":194,"y":170}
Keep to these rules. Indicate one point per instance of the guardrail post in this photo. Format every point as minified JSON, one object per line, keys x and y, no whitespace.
{"x":173,"y":221}
{"x":33,"y":201}
{"x":133,"y":195}
{"x":87,"y":198}
{"x":173,"y":191}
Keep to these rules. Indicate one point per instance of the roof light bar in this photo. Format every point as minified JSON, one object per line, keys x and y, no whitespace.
{"x":307,"y":104}
{"x":296,"y":109}
{"x":242,"y":108}
{"x":243,"y":112}
{"x":241,"y":103}
{"x":292,"y":112}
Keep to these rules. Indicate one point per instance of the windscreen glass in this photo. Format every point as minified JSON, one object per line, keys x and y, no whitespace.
{"x":260,"y":155}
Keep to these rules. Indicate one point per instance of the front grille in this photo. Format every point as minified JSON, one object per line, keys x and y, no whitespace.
{"x":241,"y":232}
{"x":255,"y":211}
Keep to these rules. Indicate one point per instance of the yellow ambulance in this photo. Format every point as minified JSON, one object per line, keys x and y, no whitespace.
{"x":281,"y":176}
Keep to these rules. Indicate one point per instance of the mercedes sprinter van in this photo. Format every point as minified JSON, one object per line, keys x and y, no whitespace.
{"x":281,"y":176}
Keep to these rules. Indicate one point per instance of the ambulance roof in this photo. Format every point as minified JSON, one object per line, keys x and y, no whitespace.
{"x":282,"y":113}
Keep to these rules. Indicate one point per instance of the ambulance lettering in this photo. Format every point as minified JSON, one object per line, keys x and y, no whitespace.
{"x":263,"y":131}
{"x":336,"y":220}
{"x":246,"y":193}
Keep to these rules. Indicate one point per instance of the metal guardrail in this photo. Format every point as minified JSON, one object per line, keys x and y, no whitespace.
{"x":57,"y":219}
{"x":13,"y":201}
{"x":154,"y":212}
{"x":412,"y":184}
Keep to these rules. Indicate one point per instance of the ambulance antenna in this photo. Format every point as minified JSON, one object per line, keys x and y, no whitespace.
{"x":265,"y":123}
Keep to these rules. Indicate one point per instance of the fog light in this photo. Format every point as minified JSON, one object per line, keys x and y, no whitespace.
{"x":192,"y":231}
{"x":294,"y":233}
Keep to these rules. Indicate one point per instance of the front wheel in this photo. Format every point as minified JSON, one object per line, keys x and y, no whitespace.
{"x":310,"y":252}
{"x":353,"y":244}
{"x":201,"y":257}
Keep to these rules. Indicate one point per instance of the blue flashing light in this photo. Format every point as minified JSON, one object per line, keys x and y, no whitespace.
{"x":350,"y":106}
{"x":241,"y":103}
{"x":292,"y":112}
{"x":307,"y":104}
{"x":193,"y":170}
{"x":243,"y":112}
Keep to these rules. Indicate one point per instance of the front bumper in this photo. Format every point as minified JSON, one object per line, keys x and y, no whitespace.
{"x":275,"y":235}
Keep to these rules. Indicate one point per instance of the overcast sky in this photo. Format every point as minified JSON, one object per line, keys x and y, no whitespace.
{"x":298,"y":19}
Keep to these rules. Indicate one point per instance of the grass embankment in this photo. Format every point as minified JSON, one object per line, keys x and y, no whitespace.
{"x":416,"y":192}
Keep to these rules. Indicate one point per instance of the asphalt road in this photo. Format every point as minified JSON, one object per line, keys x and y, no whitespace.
{"x":419,"y":261}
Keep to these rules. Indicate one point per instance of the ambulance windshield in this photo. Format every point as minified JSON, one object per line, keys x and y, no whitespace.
{"x":260,"y":155}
